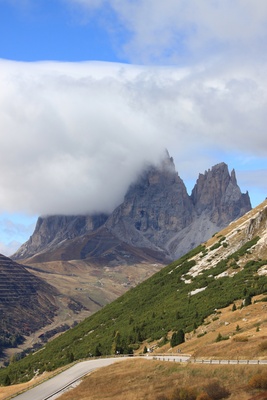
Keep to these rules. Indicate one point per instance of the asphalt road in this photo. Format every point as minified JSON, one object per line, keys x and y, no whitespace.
{"x":52,"y":388}
{"x":47,"y":389}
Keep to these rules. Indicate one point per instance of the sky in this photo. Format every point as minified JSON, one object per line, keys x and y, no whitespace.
{"x":92,"y":91}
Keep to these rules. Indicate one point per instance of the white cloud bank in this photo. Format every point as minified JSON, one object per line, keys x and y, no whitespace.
{"x":73,"y":136}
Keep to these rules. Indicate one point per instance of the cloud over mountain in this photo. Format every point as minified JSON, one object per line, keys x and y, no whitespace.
{"x":74,"y":136}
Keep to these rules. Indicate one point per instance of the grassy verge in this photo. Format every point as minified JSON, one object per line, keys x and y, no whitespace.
{"x":139,"y":379}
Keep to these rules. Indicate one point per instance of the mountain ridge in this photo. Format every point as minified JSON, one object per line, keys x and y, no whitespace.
{"x":157,"y":216}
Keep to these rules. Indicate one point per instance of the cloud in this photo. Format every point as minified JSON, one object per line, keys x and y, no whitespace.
{"x":14,"y":226}
{"x":74,"y":136}
{"x":10,"y":248}
{"x":178,"y":30}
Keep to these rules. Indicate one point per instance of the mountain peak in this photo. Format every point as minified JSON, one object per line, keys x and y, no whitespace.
{"x":233,"y":177}
{"x":216,"y":192}
{"x":157,"y":215}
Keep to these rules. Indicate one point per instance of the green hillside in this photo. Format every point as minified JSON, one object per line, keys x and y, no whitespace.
{"x":171,"y":300}
{"x":178,"y":298}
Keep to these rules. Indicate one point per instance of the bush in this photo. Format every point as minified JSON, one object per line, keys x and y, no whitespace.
{"x":216,"y":391}
{"x":240,"y":339}
{"x":215,"y":246}
{"x":220,"y":338}
{"x":177,"y":338}
{"x":258,"y":381}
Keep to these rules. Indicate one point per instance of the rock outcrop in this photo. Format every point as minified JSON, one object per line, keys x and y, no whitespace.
{"x":217,"y":194}
{"x":155,"y":208}
{"x":50,"y":232}
{"x":158,"y":218}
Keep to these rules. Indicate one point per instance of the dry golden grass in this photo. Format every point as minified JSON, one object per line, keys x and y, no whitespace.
{"x":248,"y":342}
{"x":142,"y":379}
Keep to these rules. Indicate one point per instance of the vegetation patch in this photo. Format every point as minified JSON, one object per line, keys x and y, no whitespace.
{"x":240,"y":339}
{"x":148,"y":313}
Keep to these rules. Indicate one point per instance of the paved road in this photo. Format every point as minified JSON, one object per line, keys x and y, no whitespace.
{"x":51,"y":388}
{"x":46,"y":390}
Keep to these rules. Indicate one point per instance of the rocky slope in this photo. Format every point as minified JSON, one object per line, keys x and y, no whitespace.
{"x":158,"y":213}
{"x":158,"y":220}
{"x":26,"y":302}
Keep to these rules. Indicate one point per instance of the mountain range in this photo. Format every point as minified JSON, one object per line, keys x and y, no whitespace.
{"x":85,"y":262}
{"x":157,"y":221}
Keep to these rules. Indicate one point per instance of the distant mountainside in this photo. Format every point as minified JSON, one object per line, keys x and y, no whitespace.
{"x":230,"y":268}
{"x":157,"y":222}
{"x":26,"y":303}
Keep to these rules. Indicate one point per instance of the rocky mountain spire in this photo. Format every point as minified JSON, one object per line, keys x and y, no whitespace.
{"x":154,"y":208}
{"x":157,"y":215}
{"x":216,"y":192}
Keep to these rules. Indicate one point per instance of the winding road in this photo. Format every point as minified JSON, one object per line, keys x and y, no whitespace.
{"x":54,"y":387}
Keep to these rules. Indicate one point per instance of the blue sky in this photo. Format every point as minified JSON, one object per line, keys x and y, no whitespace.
{"x":93,"y":90}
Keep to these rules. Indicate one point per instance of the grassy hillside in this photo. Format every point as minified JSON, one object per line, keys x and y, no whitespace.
{"x":228,"y":267}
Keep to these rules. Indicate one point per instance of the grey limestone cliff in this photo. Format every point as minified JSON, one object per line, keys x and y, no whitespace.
{"x":157,"y":215}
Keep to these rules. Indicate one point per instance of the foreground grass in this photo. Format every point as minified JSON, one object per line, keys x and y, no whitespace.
{"x":141,"y":379}
{"x":7,"y":392}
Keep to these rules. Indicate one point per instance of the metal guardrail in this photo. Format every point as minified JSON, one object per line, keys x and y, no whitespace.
{"x":208,"y":361}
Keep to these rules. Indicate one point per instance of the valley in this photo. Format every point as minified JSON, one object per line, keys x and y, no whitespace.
{"x":209,"y":303}
{"x":93,"y":259}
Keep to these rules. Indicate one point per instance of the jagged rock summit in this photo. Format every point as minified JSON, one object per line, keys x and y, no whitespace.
{"x":157,"y":220}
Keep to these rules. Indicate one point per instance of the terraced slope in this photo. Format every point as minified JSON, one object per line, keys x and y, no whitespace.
{"x":26,"y":302}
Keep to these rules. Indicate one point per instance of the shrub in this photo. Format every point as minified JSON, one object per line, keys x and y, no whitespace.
{"x":220,"y":338}
{"x":216,"y":391}
{"x":177,"y":338}
{"x":215,"y":246}
{"x":258,"y":381}
{"x":247,"y":300}
{"x":240,"y":339}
